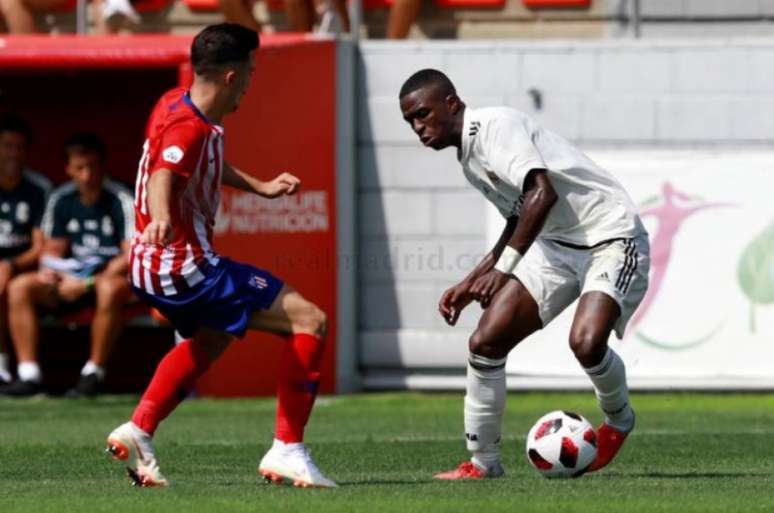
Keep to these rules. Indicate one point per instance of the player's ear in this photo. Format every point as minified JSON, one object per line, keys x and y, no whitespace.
{"x":453,"y":103}
{"x":229,"y":77}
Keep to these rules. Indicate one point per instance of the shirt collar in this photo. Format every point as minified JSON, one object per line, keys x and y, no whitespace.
{"x":187,"y":100}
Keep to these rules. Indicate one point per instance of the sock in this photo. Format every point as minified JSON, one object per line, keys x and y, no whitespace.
{"x":93,"y":368}
{"x":609,"y":379}
{"x":5,"y":372}
{"x":29,"y":371}
{"x":175,"y":377}
{"x":299,"y":378}
{"x":484,"y":407}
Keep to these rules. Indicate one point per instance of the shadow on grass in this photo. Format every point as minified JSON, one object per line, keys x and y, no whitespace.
{"x":377,"y":482}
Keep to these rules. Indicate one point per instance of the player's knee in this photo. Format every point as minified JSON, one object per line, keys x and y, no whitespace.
{"x":20,"y":290}
{"x":109,"y":292}
{"x":482,"y":345}
{"x":588,"y":346}
{"x":312,"y":320}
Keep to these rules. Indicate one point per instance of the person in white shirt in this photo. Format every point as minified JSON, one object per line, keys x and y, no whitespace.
{"x":571,"y":232}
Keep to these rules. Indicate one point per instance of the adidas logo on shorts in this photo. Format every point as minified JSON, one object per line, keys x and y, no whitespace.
{"x":603,"y":277}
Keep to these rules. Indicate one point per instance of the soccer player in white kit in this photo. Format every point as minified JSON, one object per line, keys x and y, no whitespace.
{"x":571,"y":232}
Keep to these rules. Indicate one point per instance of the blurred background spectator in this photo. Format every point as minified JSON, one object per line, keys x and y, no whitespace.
{"x":22,"y":201}
{"x":84,"y":262}
{"x":403,"y":14}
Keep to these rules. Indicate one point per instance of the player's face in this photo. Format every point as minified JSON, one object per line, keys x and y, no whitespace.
{"x":431,"y":116}
{"x":240,"y":81}
{"x":13,"y":152}
{"x":86,"y":170}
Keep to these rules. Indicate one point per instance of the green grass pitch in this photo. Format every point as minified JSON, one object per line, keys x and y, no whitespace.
{"x":690,"y":453}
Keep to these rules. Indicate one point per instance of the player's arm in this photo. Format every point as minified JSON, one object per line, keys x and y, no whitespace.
{"x":480,"y":284}
{"x":539,"y":198}
{"x":284,"y":184}
{"x":160,"y":186}
{"x":29,"y":259}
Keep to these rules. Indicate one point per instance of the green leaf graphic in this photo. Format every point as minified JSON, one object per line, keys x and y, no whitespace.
{"x":756,"y":271}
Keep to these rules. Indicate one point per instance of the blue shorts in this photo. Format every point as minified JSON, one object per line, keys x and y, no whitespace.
{"x":223,"y":301}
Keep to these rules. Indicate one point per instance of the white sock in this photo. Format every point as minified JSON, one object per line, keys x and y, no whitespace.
{"x":609,"y":379}
{"x":5,"y":372}
{"x":29,"y":371}
{"x":92,"y":368}
{"x":484,"y":407}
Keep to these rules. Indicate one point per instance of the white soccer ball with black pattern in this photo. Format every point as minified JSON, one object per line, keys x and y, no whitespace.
{"x":561,"y":444}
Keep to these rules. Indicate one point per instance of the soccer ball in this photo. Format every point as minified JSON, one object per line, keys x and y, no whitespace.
{"x":561,"y":444}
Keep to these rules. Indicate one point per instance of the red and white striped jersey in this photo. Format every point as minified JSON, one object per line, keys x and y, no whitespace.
{"x":180,"y":138}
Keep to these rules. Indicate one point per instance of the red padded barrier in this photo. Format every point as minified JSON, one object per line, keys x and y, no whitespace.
{"x":470,"y":4}
{"x":556,"y":4}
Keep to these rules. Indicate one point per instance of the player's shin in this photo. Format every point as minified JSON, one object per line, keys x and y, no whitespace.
{"x":297,"y":388}
{"x":173,"y":380}
{"x":484,"y":407}
{"x":609,"y":380}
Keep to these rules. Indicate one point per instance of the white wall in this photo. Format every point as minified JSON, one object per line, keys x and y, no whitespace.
{"x":421,"y":227}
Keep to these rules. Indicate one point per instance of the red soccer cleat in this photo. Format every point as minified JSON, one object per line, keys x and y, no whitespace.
{"x":609,"y":442}
{"x":468,"y":471}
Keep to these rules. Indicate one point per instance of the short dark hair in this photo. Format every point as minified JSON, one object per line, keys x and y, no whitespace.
{"x":427,"y":77}
{"x":84,"y":142}
{"x":15,"y":124}
{"x":218,"y":45}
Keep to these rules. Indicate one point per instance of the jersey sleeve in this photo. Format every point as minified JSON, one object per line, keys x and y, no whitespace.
{"x":54,"y":223}
{"x":179,"y":149}
{"x":511,"y":152}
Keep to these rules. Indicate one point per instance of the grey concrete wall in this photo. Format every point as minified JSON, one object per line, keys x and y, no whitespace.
{"x":421,"y":226}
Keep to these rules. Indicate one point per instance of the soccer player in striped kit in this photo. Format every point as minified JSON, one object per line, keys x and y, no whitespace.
{"x":212,"y":300}
{"x":571,"y":231}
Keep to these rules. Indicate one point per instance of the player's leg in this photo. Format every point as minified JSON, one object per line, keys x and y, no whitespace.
{"x":511,"y":317}
{"x":25,"y":293}
{"x":304,"y":325}
{"x":173,"y":380}
{"x":5,"y":370}
{"x":111,"y":293}
{"x":616,"y":282}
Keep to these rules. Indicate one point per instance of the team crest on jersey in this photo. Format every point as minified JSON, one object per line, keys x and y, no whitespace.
{"x":73,"y":226}
{"x":22,"y":212}
{"x":172,"y":154}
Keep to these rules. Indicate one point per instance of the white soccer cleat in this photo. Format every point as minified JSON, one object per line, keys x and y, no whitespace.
{"x":133,"y":445}
{"x":292,"y":463}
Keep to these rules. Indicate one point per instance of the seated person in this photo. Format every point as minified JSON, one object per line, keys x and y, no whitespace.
{"x":87,"y":226}
{"x":110,"y":16}
{"x":22,"y":201}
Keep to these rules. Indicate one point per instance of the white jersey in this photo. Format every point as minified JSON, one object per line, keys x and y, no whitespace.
{"x":501,"y":145}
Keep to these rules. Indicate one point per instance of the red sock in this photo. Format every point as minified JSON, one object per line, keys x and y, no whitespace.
{"x":297,"y":388}
{"x":174,"y":379}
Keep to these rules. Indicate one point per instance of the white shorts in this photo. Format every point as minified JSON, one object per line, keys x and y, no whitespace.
{"x":556,"y":275}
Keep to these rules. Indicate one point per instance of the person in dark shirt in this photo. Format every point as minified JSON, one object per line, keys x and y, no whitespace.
{"x":87,"y":225}
{"x":22,"y":201}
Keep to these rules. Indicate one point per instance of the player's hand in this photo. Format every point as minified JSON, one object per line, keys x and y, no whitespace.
{"x":284,"y":185}
{"x":454,"y":301}
{"x":71,"y":289}
{"x":157,"y":232}
{"x":48,"y":277}
{"x":486,"y":286}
